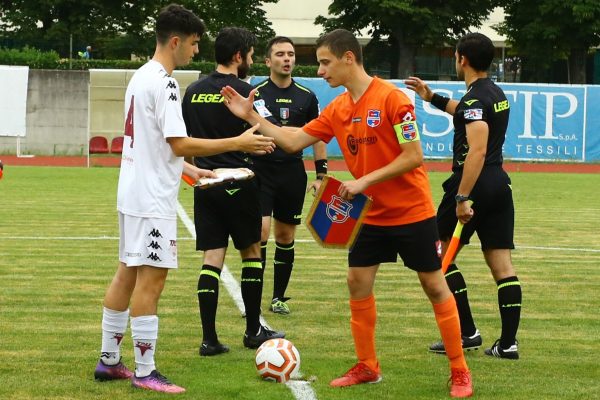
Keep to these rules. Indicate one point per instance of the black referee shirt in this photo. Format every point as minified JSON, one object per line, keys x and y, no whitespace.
{"x":207,"y":117}
{"x":484,"y":101}
{"x":294,"y":105}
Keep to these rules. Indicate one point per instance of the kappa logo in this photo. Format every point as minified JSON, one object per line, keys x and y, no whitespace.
{"x":338,"y":210}
{"x":143,"y":346}
{"x":438,"y":248}
{"x":155,"y":233}
{"x":373,"y":118}
{"x":172,"y":97}
{"x":171,"y":85}
{"x":154,"y":245}
{"x":154,"y":257}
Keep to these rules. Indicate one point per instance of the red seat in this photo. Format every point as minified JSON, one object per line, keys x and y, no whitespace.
{"x":98,"y":144}
{"x":116,"y":145}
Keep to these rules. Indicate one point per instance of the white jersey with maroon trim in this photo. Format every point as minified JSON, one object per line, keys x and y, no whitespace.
{"x":150,"y":171}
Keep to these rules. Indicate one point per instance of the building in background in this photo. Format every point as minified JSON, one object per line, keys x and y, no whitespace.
{"x":295,"y":19}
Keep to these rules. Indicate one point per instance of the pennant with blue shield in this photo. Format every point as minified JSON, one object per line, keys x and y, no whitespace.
{"x":333,"y":221}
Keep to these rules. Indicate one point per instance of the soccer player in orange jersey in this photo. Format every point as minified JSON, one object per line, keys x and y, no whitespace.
{"x":375,"y":125}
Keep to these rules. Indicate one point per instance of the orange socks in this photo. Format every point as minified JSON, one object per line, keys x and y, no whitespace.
{"x":362,"y":325}
{"x":448,"y":322}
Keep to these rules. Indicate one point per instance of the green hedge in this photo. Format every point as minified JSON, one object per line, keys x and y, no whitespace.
{"x":37,"y":59}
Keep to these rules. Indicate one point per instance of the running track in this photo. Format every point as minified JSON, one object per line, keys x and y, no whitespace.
{"x":334,"y":165}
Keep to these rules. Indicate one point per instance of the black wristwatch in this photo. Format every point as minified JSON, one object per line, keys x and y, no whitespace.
{"x":460,"y":198}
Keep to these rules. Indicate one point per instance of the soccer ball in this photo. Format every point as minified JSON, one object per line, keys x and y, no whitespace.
{"x":277,"y":360}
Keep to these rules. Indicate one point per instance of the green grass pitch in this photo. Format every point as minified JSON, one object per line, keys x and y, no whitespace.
{"x":58,"y":251}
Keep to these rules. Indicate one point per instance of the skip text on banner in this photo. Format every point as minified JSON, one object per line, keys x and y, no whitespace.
{"x":547,"y":122}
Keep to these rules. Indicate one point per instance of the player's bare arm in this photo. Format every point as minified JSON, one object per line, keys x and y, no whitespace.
{"x":319,"y":153}
{"x":424,"y":91}
{"x":477,"y":138}
{"x":410,"y":158}
{"x":289,"y":140}
{"x":247,"y":142}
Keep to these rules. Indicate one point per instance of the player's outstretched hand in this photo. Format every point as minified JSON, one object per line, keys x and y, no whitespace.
{"x":239,"y":105}
{"x":248,"y":142}
{"x":419,"y":87}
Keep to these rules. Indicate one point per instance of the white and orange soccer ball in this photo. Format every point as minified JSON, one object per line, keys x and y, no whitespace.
{"x":278,"y":360}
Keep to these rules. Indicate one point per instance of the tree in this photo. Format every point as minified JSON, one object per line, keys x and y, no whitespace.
{"x":49,"y":24}
{"x":407,"y":25}
{"x":115,"y":27}
{"x":543,"y":31}
{"x":218,"y":14}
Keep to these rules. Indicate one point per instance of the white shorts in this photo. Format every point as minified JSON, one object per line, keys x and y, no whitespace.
{"x":147,"y":241}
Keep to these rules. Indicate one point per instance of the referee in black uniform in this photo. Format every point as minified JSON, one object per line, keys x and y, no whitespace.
{"x":282,"y":176}
{"x":232,"y":209}
{"x":479,"y":191}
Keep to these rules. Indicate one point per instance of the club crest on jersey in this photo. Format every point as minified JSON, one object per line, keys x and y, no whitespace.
{"x":409,"y":131}
{"x":284,"y":113}
{"x":373,"y":118}
{"x":474,"y":114}
{"x":338,"y":210}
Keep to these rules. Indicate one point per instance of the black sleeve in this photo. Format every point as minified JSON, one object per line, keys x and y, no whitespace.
{"x":313,"y":109}
{"x":184,"y":113}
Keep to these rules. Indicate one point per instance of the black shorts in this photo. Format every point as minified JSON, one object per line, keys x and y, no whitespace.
{"x":494,"y":211}
{"x":231,"y":209}
{"x":418,"y":245}
{"x":282,"y":190}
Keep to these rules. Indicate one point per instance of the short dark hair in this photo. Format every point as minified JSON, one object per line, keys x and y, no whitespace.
{"x":229,"y":41}
{"x":175,"y":19}
{"x":478,"y":49}
{"x":340,"y":41}
{"x":276,"y":40}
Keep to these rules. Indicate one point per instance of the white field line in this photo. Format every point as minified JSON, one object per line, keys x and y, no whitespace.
{"x":300,"y":389}
{"x":518,"y":247}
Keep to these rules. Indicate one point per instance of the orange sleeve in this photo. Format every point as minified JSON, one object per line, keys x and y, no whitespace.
{"x":404,"y":119}
{"x":322,"y":126}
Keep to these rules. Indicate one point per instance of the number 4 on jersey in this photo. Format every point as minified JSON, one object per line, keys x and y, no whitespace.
{"x":129,"y":122}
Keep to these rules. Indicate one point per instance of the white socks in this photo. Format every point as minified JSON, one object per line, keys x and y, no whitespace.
{"x":114,"y":324}
{"x":144,"y":331}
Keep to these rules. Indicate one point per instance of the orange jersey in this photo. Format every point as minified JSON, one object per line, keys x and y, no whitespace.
{"x":369,"y":134}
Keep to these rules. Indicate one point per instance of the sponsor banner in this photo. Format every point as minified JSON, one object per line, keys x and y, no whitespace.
{"x":548,"y":122}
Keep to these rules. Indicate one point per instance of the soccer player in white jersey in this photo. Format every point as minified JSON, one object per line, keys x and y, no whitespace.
{"x":152,"y":163}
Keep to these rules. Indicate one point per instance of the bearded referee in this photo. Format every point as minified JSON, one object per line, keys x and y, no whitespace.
{"x":282,"y":176}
